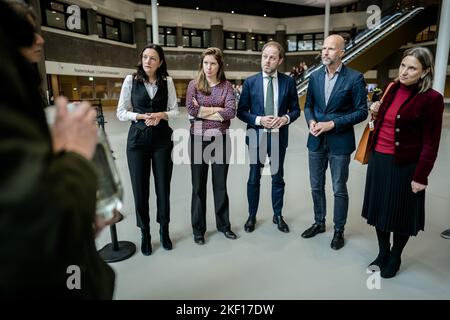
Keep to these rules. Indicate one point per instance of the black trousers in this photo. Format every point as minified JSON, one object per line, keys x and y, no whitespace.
{"x":204,"y":150}
{"x":149,"y":149}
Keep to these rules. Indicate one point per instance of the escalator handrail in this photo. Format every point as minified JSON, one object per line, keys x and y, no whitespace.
{"x":381,"y":34}
{"x":354,"y":53}
{"x":366,"y":33}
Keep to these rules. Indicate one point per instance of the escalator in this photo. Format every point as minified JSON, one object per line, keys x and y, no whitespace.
{"x":373,"y":46}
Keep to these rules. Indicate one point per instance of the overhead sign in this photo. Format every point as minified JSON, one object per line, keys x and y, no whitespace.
{"x":73,"y":69}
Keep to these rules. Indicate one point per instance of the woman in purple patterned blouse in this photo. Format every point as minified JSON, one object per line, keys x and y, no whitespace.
{"x":211,"y":103}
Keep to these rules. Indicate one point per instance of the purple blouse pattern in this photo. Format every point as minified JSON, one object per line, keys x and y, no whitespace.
{"x":222,"y":95}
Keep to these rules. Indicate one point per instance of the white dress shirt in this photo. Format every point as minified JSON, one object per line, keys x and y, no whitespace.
{"x":124,"y":108}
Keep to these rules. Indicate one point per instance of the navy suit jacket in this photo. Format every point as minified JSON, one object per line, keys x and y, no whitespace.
{"x":347,"y":106}
{"x":251,"y":104}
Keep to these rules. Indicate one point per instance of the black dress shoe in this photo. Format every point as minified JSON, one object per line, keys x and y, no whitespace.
{"x":282,"y":226}
{"x":380,"y":261}
{"x":146,"y":245}
{"x":392,"y":266}
{"x":230,"y":234}
{"x":338,"y":240}
{"x":164,"y":237}
{"x":200,"y":240}
{"x":250,"y":224}
{"x":313,"y":230}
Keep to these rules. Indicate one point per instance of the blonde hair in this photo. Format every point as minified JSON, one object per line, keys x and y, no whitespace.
{"x":425,"y":58}
{"x":276,"y":45}
{"x":202,"y":84}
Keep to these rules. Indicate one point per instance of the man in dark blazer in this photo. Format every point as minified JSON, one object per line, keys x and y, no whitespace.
{"x":335,"y":102}
{"x":268,"y":104}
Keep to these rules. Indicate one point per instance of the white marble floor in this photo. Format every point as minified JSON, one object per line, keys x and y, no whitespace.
{"x":268,"y":264}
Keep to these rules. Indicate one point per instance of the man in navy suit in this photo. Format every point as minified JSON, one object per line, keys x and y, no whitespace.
{"x":268,"y":104}
{"x":335,"y":102}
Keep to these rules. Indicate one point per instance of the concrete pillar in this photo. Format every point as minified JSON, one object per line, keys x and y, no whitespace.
{"x":442,"y":49}
{"x":140,"y":30}
{"x":155,"y":26}
{"x":179,"y":36}
{"x":326,"y":28}
{"x":248,"y":40}
{"x":91,"y":21}
{"x":217,"y":33}
{"x":280,"y":35}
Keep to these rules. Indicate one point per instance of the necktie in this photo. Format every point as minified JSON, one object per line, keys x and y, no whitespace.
{"x":269,"y":110}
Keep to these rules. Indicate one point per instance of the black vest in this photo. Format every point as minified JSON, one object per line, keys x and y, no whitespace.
{"x":142,"y":103}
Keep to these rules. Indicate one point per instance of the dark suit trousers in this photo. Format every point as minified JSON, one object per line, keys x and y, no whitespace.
{"x":217,"y":151}
{"x":150,"y":149}
{"x":276,"y":153}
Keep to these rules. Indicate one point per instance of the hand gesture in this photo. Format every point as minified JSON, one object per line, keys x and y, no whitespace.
{"x":266,"y":121}
{"x":278,"y":122}
{"x":417,"y":187}
{"x":317,"y":128}
{"x":101,"y":223}
{"x":154,"y":118}
{"x":195,"y":103}
{"x":75,"y":131}
{"x":374,"y":107}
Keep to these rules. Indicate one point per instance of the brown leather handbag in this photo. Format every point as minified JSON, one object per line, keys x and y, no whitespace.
{"x":362,"y":152}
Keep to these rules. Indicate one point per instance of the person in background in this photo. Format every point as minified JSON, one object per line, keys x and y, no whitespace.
{"x":45,"y":235}
{"x":211,"y":102}
{"x":404,"y":147}
{"x":148,"y":100}
{"x":268,"y":104}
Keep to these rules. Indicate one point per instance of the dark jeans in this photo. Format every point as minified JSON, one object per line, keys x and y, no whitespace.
{"x":217,"y":152}
{"x":148,"y":150}
{"x":257,"y":159}
{"x":318,"y":163}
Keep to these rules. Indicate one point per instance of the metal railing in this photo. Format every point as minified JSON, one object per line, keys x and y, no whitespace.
{"x":370,"y":38}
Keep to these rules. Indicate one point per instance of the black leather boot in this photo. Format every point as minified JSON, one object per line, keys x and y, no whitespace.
{"x":384,"y":249}
{"x":381,"y":260}
{"x":392,"y":266}
{"x":146,"y":244}
{"x":164,"y":237}
{"x":394,"y":261}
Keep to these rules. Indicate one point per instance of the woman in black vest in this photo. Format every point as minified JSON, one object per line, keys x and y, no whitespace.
{"x":148,"y":99}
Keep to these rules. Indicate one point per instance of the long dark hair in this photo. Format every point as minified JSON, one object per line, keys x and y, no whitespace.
{"x":161,"y":72}
{"x":20,"y":91}
{"x":25,"y":13}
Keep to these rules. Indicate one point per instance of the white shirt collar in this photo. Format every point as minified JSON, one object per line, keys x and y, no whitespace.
{"x":274,"y":76}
